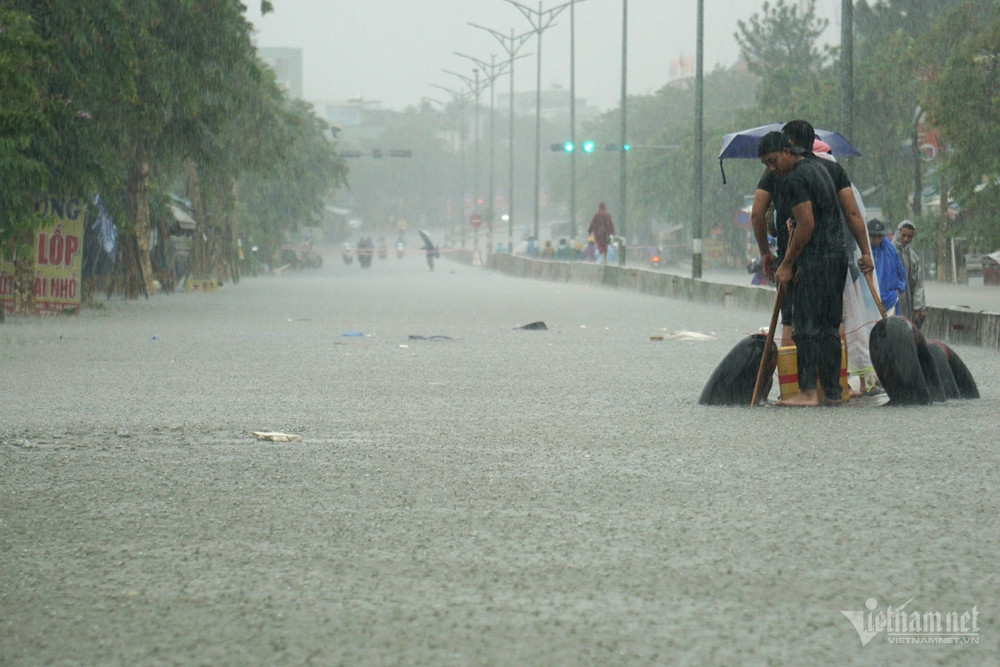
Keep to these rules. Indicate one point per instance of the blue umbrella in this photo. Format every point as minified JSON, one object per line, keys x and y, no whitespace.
{"x":743,"y":144}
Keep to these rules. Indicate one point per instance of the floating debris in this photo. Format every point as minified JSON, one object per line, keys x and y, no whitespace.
{"x":533,"y":326}
{"x":275,"y":436}
{"x":687,"y":335}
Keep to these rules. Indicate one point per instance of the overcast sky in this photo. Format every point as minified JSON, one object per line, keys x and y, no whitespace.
{"x":394,"y":50}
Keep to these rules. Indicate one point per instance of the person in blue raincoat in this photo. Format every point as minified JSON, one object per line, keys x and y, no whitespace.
{"x":888,"y":267}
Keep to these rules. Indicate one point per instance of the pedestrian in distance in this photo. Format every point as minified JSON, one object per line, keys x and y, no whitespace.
{"x":815,"y":263}
{"x":911,"y":301}
{"x":602,"y":228}
{"x":888,"y":267}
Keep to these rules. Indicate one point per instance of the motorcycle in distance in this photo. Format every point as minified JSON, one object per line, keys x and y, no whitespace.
{"x":365,"y":251}
{"x":347,"y":253}
{"x":400,"y":249}
{"x":657,"y":258}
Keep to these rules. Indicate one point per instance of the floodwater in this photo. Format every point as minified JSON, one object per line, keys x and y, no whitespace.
{"x":502,"y":497}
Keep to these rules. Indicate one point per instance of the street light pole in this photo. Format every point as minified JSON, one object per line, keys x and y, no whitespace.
{"x":572,"y":117}
{"x":511,"y":45}
{"x":622,"y":153}
{"x":493,"y":71}
{"x":475,"y":89}
{"x":847,"y":68}
{"x":460,"y":99}
{"x":698,"y":119}
{"x":540,"y":21}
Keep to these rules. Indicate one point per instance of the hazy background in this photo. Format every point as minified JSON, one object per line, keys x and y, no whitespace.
{"x":393,"y":50}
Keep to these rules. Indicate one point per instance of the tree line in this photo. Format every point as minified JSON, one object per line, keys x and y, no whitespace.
{"x":135,"y":100}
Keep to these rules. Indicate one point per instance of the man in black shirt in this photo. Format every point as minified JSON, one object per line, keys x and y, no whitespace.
{"x":767,"y":207}
{"x":814,"y":265}
{"x":800,"y":133}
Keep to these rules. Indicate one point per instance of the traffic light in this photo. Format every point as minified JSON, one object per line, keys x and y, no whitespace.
{"x":617,"y":147}
{"x":588,"y":146}
{"x":566,"y":147}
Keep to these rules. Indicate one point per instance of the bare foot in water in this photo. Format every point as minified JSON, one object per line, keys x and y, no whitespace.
{"x":803,"y":399}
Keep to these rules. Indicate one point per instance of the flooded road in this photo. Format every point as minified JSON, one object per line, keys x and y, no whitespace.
{"x":477,"y":494}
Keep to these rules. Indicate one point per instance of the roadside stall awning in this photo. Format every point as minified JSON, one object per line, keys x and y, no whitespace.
{"x":181,"y":216}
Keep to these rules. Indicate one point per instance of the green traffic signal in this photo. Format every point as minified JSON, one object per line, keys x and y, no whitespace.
{"x":568,"y":147}
{"x":588,"y":146}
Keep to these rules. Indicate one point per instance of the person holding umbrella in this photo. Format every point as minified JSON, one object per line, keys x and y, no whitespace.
{"x":815,"y":263}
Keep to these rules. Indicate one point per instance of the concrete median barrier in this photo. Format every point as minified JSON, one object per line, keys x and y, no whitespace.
{"x":960,"y":326}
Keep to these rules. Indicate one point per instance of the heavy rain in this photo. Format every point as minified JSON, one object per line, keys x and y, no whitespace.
{"x":300,"y":372}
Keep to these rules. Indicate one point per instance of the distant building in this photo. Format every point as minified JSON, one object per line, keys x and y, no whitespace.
{"x":287,"y":66}
{"x":351,"y":112}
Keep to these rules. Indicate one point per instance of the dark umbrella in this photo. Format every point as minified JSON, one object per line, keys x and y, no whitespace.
{"x":428,"y":243}
{"x":743,"y":144}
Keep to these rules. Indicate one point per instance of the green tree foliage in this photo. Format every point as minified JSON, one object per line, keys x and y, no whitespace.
{"x":296,"y":168}
{"x":115,"y":96}
{"x":873,"y":21}
{"x":887,"y":102}
{"x":783,"y":36}
{"x":25,"y":113}
{"x":49,"y":139}
{"x":795,"y":76}
{"x":963,"y":102}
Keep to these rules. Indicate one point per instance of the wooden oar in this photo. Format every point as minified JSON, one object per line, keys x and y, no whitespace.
{"x":767,"y":343}
{"x":878,"y":299}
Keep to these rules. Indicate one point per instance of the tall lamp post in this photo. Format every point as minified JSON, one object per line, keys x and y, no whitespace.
{"x":540,"y":21}
{"x":847,"y":68}
{"x":460,"y":99}
{"x":493,"y":71}
{"x":698,"y":117}
{"x":511,"y":45}
{"x":475,"y":88}
{"x":622,"y":153}
{"x":572,"y":117}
